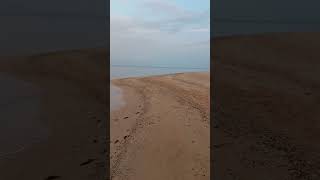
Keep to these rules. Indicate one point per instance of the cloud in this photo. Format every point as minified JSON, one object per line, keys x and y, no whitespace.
{"x":198,"y":44}
{"x":159,"y":30}
{"x":174,"y":24}
{"x":199,"y":30}
{"x":53,"y":8}
{"x":164,"y":7}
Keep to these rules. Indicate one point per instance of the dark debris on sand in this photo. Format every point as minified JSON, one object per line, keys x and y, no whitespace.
{"x":87,"y":162}
{"x":52,"y":177}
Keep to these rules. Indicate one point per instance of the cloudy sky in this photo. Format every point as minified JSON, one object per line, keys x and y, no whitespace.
{"x":160,"y":32}
{"x":35,"y":26}
{"x":264,"y":16}
{"x":295,"y":10}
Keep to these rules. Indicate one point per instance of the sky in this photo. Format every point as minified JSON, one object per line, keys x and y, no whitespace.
{"x":53,"y":8}
{"x":173,"y":33}
{"x":156,"y":32}
{"x":37,"y":26}
{"x":264,"y":16}
{"x":267,"y":9}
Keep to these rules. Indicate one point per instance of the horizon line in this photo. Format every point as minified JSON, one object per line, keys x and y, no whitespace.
{"x":163,"y":67}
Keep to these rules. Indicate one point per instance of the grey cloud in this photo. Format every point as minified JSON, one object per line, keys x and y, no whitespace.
{"x":175,"y":24}
{"x":54,"y":7}
{"x":164,"y":7}
{"x":251,"y":16}
{"x":139,"y":40}
{"x":32,"y":26}
{"x":200,"y":43}
{"x":177,"y":18}
{"x":266,"y":9}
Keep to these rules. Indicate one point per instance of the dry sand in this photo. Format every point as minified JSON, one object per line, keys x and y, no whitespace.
{"x":163,"y":130}
{"x":72,"y":111}
{"x":266,"y":89}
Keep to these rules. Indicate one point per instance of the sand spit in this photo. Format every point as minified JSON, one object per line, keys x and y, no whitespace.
{"x":71,"y":88}
{"x":163,"y":130}
{"x":266,"y":91}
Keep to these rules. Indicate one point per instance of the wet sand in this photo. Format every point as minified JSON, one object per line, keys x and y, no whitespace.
{"x":266,"y":91}
{"x":163,"y":130}
{"x":116,"y":99}
{"x":19,"y":109}
{"x":70,"y":89}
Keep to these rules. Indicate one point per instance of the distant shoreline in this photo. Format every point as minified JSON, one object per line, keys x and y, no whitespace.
{"x":127,"y":71}
{"x":165,"y":67}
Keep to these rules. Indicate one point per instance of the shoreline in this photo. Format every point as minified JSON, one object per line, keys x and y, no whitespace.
{"x":116,"y":97}
{"x":122,"y":72}
{"x":145,"y":126}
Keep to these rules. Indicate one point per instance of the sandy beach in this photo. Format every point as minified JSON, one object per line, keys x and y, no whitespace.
{"x":266,"y":97}
{"x":55,"y":104}
{"x":162,"y":131}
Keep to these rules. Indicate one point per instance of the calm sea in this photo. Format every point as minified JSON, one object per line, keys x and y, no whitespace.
{"x":139,"y":71}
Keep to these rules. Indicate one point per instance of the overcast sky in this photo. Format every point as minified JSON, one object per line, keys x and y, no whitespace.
{"x":252,"y":16}
{"x":274,"y":9}
{"x":143,"y":31}
{"x":53,"y":7}
{"x":35,"y":26}
{"x":160,"y":32}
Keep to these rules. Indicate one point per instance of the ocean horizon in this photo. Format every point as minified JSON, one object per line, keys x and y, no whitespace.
{"x":125,"y":71}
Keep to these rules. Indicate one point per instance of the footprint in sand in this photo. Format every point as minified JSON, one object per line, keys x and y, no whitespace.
{"x":307,"y":93}
{"x":52,"y":177}
{"x":104,"y":151}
